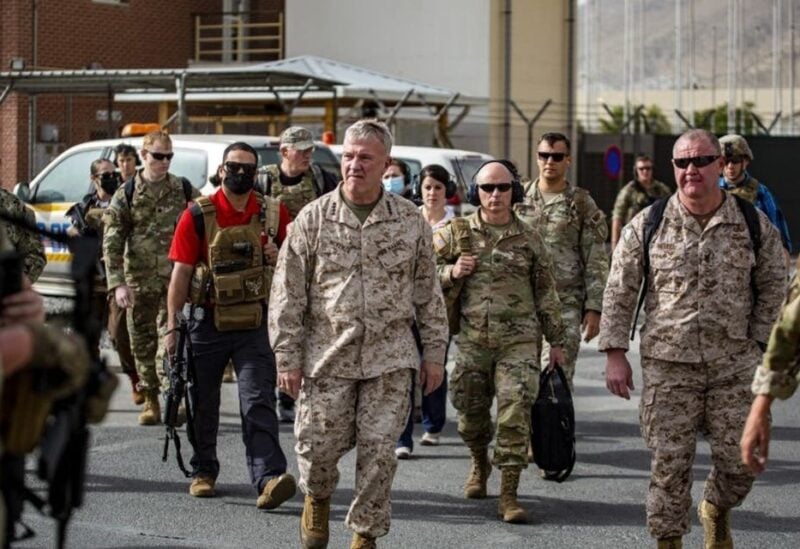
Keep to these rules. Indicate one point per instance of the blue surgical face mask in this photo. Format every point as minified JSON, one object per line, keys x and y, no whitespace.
{"x":393,"y":184}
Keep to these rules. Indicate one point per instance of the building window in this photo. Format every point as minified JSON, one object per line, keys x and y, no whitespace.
{"x":112,"y":2}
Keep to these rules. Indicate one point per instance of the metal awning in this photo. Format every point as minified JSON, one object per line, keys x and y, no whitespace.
{"x":104,"y":81}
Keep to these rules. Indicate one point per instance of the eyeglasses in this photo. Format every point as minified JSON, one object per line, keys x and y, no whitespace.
{"x":489,"y":188}
{"x":698,"y":161}
{"x":645,"y":168}
{"x":733,"y":159}
{"x":108,"y":176}
{"x":161,"y":156}
{"x":236,"y":167}
{"x":557,"y":157}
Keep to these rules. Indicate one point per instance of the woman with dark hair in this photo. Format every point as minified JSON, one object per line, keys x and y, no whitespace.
{"x":432,"y":188}
{"x":397,"y":179}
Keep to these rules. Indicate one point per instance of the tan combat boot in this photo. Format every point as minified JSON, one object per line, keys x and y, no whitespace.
{"x":475,"y":487}
{"x":151,"y":412}
{"x":670,"y":543}
{"x":314,"y":523}
{"x":508,"y":508}
{"x":363,"y":542}
{"x":716,"y":524}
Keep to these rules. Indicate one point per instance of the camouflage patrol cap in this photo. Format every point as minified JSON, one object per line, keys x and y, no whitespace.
{"x":735,"y":145}
{"x":297,"y":137}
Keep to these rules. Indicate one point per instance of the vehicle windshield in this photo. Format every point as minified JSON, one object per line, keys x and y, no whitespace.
{"x":414,"y":166}
{"x":466,"y":166}
{"x":69,"y":180}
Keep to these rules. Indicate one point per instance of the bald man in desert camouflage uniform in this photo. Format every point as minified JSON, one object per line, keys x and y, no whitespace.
{"x":710,"y":304}
{"x":356,"y":270}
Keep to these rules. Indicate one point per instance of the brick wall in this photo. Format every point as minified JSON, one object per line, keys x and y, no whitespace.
{"x":72,"y":34}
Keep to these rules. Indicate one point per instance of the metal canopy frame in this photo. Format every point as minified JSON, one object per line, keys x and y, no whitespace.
{"x":110,"y":82}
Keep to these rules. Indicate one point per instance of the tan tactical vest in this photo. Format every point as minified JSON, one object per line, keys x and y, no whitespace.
{"x":748,"y":191}
{"x":236,"y":277}
{"x":294,"y":197}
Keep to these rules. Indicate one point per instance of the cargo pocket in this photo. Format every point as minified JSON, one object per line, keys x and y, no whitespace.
{"x":242,"y":316}
{"x":646,"y":405}
{"x":669,"y":273}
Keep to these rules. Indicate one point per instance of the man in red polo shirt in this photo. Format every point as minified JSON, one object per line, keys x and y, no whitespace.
{"x":229,"y":240}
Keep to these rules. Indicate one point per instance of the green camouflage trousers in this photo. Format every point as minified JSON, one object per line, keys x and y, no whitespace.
{"x":680,"y":400}
{"x":512,"y":375}
{"x":147,"y":325}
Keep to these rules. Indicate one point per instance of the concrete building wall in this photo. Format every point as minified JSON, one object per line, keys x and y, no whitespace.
{"x":444,"y":43}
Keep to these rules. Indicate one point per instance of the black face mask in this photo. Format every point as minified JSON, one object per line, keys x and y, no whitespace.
{"x":109,"y":182}
{"x":239,"y":183}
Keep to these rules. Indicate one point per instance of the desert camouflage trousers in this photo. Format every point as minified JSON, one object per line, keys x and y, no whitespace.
{"x":680,"y":400}
{"x":335,"y":415}
{"x":572,"y":316}
{"x":512,"y":375}
{"x":147,"y":325}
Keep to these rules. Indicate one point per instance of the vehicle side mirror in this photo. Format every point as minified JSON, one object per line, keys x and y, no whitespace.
{"x":23,"y":191}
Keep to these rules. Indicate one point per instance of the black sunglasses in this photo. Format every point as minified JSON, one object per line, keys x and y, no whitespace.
{"x":235,"y":167}
{"x":645,"y":168}
{"x":698,"y":161}
{"x":557,"y":157}
{"x":161,"y":156}
{"x":108,"y":176}
{"x":489,"y":188}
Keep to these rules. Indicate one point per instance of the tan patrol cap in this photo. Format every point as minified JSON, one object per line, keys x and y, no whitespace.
{"x":735,"y":145}
{"x":297,"y":137}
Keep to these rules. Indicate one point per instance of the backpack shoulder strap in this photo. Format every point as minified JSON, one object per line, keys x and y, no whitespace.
{"x":187,"y":188}
{"x":651,"y":223}
{"x":462,"y":233}
{"x":751,"y":218}
{"x":129,"y":187}
{"x":203,"y":215}
{"x":319,"y":179}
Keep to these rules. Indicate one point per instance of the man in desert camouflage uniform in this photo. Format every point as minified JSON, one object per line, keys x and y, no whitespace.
{"x":777,"y":377}
{"x":737,"y":180}
{"x":296,"y":181}
{"x":138,"y":231}
{"x":355,"y":271}
{"x":635,"y":196}
{"x":710,"y":304}
{"x":575,"y":230}
{"x":507,"y":300}
{"x":26,"y":243}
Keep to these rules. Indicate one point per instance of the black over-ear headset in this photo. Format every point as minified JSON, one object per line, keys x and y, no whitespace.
{"x":517,"y":193}
{"x":450,"y":186}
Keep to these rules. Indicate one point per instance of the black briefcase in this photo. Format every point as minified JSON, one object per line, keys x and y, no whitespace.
{"x":553,"y":426}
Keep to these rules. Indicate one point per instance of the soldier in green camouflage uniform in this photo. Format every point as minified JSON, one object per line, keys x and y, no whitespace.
{"x":138,"y":233}
{"x":25,"y":242}
{"x":635,"y":196}
{"x":296,"y":181}
{"x":508,"y":299}
{"x":575,"y":230}
{"x":777,"y":377}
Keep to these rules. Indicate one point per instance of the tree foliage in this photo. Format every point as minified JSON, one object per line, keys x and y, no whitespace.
{"x":647,"y":120}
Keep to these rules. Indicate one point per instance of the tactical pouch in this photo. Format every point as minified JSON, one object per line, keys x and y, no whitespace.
{"x":242,"y":316}
{"x":198,"y":286}
{"x":452,"y":300}
{"x":241,"y":286}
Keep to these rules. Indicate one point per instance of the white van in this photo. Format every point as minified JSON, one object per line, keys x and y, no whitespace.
{"x":65,"y":181}
{"x":461,"y":164}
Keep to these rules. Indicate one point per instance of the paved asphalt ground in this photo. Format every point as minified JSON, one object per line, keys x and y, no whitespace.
{"x":135,"y":500}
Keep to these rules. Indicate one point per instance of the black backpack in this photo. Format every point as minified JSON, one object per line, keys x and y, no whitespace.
{"x":553,"y":426}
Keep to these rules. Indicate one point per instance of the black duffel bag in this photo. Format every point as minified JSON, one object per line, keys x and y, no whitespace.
{"x":553,"y":426}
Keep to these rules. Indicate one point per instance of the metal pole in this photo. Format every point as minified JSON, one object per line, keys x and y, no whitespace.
{"x":791,"y":68}
{"x":678,"y":57}
{"x":180,"y":91}
{"x":732,"y":28}
{"x":507,"y":80}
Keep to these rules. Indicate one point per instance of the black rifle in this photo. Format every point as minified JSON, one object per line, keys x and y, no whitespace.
{"x":180,"y":372}
{"x":64,"y":444}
